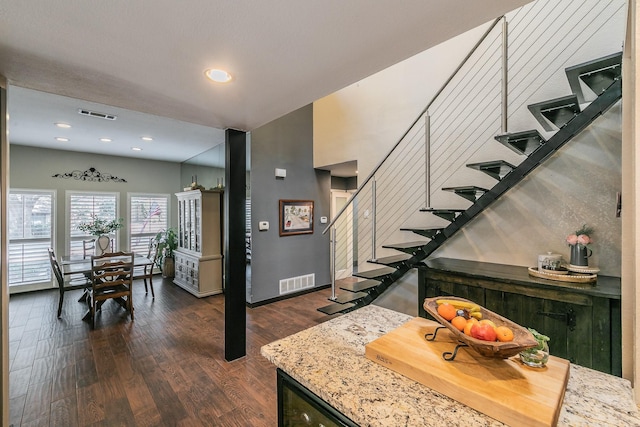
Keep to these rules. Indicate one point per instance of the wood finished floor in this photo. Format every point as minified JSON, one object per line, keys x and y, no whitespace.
{"x":165,"y":368}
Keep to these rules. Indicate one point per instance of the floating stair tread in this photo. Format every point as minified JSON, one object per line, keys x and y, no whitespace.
{"x":429,"y":232}
{"x":558,"y":111}
{"x":335,"y":308}
{"x":447,"y":214}
{"x":391,"y":260}
{"x":490,"y":164}
{"x":346,"y":297}
{"x":406,"y":245}
{"x":471,"y":193}
{"x":466,"y":189}
{"x":360,"y":286}
{"x":497,"y":169}
{"x":379,"y":272}
{"x":525,"y":142}
{"x":433,"y":210}
{"x":597,"y":74}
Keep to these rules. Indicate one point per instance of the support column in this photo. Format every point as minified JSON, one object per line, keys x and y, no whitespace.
{"x":235,"y":320}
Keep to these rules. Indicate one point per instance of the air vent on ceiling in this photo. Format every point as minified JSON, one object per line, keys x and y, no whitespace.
{"x":97,"y":114}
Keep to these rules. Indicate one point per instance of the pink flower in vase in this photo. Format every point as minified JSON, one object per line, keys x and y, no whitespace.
{"x":572,"y":239}
{"x":584,"y":240}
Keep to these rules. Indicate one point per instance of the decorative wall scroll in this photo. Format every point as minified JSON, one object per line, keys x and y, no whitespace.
{"x":91,"y":174}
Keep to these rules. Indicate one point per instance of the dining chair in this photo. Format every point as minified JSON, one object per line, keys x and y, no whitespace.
{"x":89,"y":247}
{"x":112,"y":278}
{"x":68,"y":283}
{"x":146,"y":272}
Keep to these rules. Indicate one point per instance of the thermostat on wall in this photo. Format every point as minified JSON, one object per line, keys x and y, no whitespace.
{"x":263,"y":225}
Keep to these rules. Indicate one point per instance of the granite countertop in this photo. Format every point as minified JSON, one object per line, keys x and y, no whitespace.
{"x":329,"y":359}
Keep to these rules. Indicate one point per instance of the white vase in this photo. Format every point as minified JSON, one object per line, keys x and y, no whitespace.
{"x":103,"y":244}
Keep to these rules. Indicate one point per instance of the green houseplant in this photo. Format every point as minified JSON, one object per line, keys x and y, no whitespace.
{"x":167,"y":241}
{"x":100,"y":227}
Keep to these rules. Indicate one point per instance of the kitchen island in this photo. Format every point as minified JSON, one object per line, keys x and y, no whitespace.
{"x":329,"y":360}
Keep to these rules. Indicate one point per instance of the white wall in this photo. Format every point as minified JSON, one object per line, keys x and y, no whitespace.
{"x":363,"y":121}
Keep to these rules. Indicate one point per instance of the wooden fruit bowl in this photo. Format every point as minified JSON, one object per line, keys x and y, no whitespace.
{"x":522,"y":338}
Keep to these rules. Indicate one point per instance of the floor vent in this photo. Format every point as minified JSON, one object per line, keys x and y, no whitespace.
{"x":295,"y":284}
{"x":96,"y":114}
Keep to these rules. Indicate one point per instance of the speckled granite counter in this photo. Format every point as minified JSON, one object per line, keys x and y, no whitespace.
{"x":329,"y":360}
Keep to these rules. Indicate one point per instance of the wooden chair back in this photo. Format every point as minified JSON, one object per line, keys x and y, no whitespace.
{"x":146,"y":272}
{"x":112,"y":278}
{"x":65,"y":283}
{"x":88,"y":248}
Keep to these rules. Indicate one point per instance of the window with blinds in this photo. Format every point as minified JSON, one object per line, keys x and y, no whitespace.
{"x":82,"y":207}
{"x":148,"y":214}
{"x":30,"y":234}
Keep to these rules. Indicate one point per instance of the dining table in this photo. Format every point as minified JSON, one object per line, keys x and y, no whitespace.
{"x":77,"y":265}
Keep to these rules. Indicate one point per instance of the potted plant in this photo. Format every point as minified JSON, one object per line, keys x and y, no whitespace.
{"x":101,"y":228}
{"x":167,"y":241}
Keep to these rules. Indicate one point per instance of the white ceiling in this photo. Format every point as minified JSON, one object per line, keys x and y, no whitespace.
{"x":144,"y":61}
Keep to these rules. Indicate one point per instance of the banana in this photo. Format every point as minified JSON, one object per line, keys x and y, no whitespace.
{"x":476,"y":314}
{"x":460,"y":304}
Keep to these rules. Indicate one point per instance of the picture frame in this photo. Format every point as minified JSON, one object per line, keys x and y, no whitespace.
{"x":295,"y":217}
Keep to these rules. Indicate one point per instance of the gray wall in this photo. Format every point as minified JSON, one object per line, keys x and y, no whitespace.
{"x":340,"y":183}
{"x":32,"y":168}
{"x":286,"y":143}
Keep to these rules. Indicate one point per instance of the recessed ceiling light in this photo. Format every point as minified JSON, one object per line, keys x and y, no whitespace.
{"x":219,"y":76}
{"x":63,"y":125}
{"x":105,"y":139}
{"x":61,"y":139}
{"x":146,"y":138}
{"x":136,"y":148}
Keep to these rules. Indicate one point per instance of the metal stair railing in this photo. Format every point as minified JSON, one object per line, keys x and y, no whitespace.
{"x":467,"y":112}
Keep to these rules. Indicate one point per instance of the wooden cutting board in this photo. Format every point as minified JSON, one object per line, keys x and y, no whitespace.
{"x":504,"y":389}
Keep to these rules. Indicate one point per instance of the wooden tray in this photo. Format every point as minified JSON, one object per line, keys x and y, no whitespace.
{"x":504,"y":389}
{"x":571,"y":277}
{"x":522,"y":338}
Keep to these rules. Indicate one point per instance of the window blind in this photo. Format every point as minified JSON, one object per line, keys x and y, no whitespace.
{"x":82,"y":207}
{"x":30,"y":234}
{"x":148,"y":214}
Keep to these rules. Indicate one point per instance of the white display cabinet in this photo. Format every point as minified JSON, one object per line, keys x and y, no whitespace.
{"x":198,"y":258}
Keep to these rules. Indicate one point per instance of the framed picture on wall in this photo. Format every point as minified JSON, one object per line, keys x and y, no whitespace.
{"x":296,"y":217}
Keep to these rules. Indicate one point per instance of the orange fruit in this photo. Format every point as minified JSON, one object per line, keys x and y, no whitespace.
{"x":459,"y":322}
{"x":447,"y":311}
{"x":504,"y":334}
{"x":470,"y":323}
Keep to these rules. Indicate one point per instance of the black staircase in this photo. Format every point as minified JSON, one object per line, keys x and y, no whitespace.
{"x":602,"y":76}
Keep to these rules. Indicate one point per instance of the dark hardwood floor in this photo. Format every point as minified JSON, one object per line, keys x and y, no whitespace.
{"x":165,"y":368}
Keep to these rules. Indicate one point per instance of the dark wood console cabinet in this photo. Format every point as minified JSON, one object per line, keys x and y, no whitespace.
{"x":583,"y":320}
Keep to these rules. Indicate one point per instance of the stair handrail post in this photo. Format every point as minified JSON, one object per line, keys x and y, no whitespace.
{"x":505,"y":74}
{"x":422,"y":113}
{"x":427,"y":159}
{"x":333,"y":263}
{"x":373,"y":219}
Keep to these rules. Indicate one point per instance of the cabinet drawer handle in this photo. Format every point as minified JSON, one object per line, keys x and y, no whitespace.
{"x":569,"y":317}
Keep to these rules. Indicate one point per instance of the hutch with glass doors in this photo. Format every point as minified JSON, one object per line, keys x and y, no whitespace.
{"x":198,"y":258}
